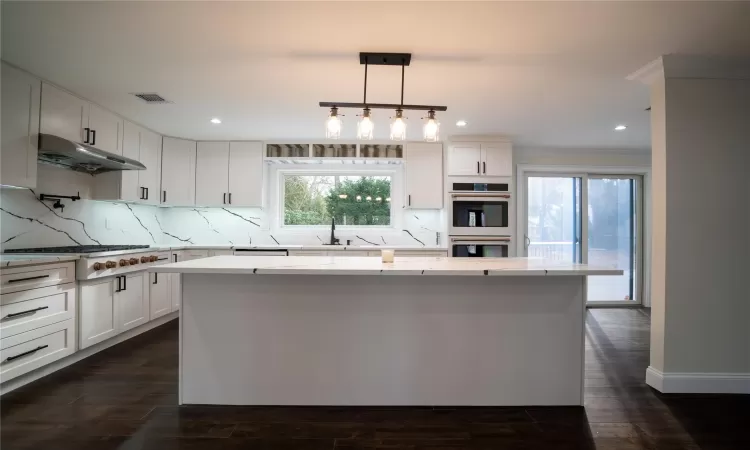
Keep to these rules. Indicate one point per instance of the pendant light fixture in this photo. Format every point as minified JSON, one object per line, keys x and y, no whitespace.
{"x":333,"y":124}
{"x":431,"y":129}
{"x":365,"y":126}
{"x":398,"y":126}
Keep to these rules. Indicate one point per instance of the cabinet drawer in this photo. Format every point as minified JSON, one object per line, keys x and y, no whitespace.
{"x":25,"y":352}
{"x":27,"y":310}
{"x":187,"y":255}
{"x":422,"y":253}
{"x":32,"y":277}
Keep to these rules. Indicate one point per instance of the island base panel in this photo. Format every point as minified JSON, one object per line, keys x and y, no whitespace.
{"x":364,"y":340}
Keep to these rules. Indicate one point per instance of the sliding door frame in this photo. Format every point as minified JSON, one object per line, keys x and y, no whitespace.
{"x":643,"y":199}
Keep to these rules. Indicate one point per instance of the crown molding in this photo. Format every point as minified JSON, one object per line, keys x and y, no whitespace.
{"x":649,"y":73}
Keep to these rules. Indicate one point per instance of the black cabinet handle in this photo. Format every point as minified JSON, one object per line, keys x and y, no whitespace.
{"x":88,"y":132}
{"x":18,"y":280}
{"x":93,"y":137}
{"x":484,"y":167}
{"x":143,"y":192}
{"x":164,"y":259}
{"x":124,"y":283}
{"x":11,"y":358}
{"x":175,"y":257}
{"x":119,"y":287}
{"x":409,"y":199}
{"x":156,"y":278}
{"x":478,"y":167}
{"x":146,"y":194}
{"x":225,"y":198}
{"x":27,"y":312}
{"x":164,"y":194}
{"x":230,"y":198}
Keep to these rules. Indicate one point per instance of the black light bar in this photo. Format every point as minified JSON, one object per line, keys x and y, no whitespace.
{"x":383,"y":106}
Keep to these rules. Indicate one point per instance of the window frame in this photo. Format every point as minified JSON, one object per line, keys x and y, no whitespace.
{"x":277,"y":178}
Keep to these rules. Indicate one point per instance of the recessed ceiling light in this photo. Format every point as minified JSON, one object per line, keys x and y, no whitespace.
{"x":216,"y":120}
{"x":620,"y":127}
{"x":461,"y":123}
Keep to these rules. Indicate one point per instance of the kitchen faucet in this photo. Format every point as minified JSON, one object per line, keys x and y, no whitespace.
{"x":334,"y":239}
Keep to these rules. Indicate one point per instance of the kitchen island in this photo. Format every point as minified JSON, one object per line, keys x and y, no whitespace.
{"x":278,"y":330}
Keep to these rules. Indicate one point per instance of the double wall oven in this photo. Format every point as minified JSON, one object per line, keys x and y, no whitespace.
{"x":481,"y":220}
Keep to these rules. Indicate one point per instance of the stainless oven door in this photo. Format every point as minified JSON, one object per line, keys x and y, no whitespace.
{"x":479,"y":247}
{"x":480,"y":214}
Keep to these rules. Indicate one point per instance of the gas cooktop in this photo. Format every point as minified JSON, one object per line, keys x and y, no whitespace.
{"x":76,"y":249}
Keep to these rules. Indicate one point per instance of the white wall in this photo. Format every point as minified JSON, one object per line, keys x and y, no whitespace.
{"x":582,"y":157}
{"x":706,"y":227}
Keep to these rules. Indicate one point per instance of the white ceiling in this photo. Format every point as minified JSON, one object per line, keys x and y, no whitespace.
{"x":545,"y":74}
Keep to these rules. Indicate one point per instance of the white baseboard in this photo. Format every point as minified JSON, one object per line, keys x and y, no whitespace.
{"x":698,"y":383}
{"x":27,"y":378}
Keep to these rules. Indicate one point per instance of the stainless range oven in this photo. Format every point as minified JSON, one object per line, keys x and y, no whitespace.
{"x":480,"y":247}
{"x":480,"y":209}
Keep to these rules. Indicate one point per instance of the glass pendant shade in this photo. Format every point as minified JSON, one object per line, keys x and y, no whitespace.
{"x":431,"y":129}
{"x":333,"y":124}
{"x":365,"y":126}
{"x":398,"y":127}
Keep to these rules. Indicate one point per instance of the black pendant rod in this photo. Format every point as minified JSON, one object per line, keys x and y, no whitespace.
{"x":383,"y":106}
{"x":365,"y":99}
{"x":402,"y":84}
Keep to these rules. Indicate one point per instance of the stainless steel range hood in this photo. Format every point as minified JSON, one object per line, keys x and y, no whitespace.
{"x":61,"y":152}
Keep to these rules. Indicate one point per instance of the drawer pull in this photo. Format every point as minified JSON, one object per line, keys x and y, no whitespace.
{"x":164,"y":259}
{"x":38,"y":277}
{"x":26,"y":312}
{"x":11,"y":358}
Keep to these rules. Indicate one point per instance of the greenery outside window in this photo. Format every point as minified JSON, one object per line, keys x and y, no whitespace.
{"x":362,"y":200}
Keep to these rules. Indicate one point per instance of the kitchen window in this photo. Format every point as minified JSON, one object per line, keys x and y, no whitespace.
{"x":352,"y":199}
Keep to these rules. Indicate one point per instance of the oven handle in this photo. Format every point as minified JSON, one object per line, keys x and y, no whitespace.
{"x":480,"y":240}
{"x":457,"y":196}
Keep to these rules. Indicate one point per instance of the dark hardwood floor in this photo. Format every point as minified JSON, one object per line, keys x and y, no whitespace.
{"x":125,"y":398}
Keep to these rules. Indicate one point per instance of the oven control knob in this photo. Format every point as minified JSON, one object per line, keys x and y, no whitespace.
{"x":154,"y":258}
{"x":110,"y":264}
{"x":145,"y":259}
{"x":98,"y":266}
{"x":124,"y":262}
{"x":133,"y":261}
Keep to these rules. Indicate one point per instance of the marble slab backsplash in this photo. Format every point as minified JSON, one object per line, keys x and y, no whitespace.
{"x":28,"y":222}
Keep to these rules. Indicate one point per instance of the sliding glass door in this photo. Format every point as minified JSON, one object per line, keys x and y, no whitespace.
{"x":557,"y":221}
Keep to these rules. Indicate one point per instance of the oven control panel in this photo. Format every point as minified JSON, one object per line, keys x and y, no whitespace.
{"x":105,"y":266}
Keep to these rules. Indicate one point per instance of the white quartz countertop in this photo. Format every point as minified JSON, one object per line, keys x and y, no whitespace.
{"x":24,"y":260}
{"x":343,"y":265}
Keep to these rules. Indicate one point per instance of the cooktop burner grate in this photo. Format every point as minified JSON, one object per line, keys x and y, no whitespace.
{"x":76,"y":249}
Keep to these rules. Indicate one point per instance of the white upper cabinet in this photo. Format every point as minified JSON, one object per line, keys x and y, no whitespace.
{"x":245,"y":174}
{"x":67,"y":116}
{"x":229,"y":173}
{"x":497,"y":159}
{"x":20,"y":126}
{"x":424,"y":176}
{"x":150,"y":156}
{"x":106,"y":130}
{"x":178,"y":172}
{"x":212,"y":174}
{"x":473,"y":159}
{"x":142,"y":186}
{"x":64,"y":115}
{"x":464,"y":159}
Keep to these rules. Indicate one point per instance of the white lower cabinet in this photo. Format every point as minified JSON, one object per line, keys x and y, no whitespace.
{"x":161,"y":302}
{"x":24,"y":352}
{"x":98,"y":312}
{"x":132,"y":300}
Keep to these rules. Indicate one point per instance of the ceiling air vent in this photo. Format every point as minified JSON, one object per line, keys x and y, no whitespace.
{"x":151,"y":97}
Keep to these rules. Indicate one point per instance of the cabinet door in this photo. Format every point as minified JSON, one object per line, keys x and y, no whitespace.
{"x":424,"y":176}
{"x":106,"y":130}
{"x":132,"y":301}
{"x":161,"y":303}
{"x":246,"y":174}
{"x":63,"y":114}
{"x":497,"y":159}
{"x":20,"y":126}
{"x":98,"y":314}
{"x":464,"y":159}
{"x":130,"y":188}
{"x":178,"y":172}
{"x":150,"y":156}
{"x":212,"y":174}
